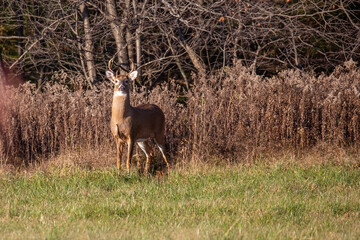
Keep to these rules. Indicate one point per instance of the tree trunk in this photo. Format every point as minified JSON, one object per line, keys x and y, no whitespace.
{"x":129,"y":38}
{"x":178,"y":64}
{"x":80,"y":48}
{"x":89,"y":45}
{"x":195,"y":59}
{"x":2,"y":73}
{"x":130,"y":45}
{"x":119,"y":34}
{"x":138,"y":39}
{"x":20,"y":33}
{"x":20,"y":29}
{"x":138,"y":51}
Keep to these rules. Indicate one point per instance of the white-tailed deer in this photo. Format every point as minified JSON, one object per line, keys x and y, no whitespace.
{"x":134,"y":124}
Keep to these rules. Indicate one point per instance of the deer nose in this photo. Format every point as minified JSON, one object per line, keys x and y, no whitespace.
{"x":122,"y":88}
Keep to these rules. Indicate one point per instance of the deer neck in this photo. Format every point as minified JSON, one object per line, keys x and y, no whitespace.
{"x":121,"y":107}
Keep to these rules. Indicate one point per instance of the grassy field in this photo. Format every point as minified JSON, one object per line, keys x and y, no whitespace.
{"x":261,"y":201}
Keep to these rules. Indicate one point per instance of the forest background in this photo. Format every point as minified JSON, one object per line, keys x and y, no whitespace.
{"x":261,"y":76}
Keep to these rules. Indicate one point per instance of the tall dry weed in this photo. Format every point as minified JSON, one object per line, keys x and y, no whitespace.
{"x":226,"y":115}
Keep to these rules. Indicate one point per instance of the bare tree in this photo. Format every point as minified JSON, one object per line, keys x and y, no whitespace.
{"x":2,"y":72}
{"x":172,"y":39}
{"x":118,"y":28}
{"x":89,"y":45}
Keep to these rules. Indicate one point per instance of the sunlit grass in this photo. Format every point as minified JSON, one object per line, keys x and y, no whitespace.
{"x":269,"y":201}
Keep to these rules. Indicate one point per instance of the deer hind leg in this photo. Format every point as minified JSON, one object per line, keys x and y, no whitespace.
{"x":160,"y":142}
{"x":129,"y":154}
{"x":119,"y":152}
{"x":144,"y":146}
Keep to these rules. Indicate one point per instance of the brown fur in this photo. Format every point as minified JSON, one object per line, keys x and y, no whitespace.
{"x":129,"y":124}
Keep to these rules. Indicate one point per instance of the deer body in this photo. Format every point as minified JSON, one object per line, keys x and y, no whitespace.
{"x":134,"y":124}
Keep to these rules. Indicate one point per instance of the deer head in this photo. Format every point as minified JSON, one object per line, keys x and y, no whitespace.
{"x":122,"y":83}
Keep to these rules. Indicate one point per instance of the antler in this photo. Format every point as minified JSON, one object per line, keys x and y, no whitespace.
{"x":132,"y":66}
{"x":109,"y":64}
{"x":117,"y":71}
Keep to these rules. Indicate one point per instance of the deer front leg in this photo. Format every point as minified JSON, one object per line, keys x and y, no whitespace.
{"x":129,"y":154}
{"x":119,"y":152}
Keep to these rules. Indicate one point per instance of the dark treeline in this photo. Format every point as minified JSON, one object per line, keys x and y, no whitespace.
{"x":172,"y":38}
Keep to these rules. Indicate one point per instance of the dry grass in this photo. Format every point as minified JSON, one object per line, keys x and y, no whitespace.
{"x":236,"y":115}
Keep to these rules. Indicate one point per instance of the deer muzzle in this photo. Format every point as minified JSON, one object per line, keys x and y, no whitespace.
{"x":121,"y":87}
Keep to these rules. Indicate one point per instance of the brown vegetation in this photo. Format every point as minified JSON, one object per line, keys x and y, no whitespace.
{"x":231,"y":114}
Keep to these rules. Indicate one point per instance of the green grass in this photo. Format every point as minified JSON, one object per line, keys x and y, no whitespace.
{"x":270,"y":201}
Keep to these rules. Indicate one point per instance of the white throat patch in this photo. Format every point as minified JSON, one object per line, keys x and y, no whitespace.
{"x":120,"y":93}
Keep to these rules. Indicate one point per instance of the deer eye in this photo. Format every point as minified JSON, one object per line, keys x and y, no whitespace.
{"x":125,"y":82}
{"x":117,"y":81}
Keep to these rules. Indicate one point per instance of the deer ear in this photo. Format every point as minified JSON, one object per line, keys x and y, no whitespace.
{"x":133,"y":75}
{"x":110,"y":75}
